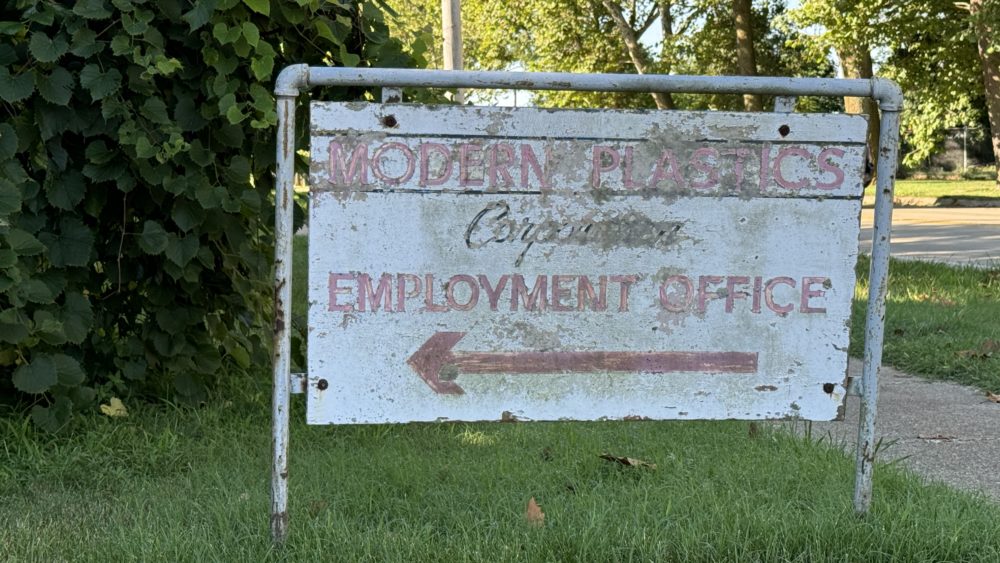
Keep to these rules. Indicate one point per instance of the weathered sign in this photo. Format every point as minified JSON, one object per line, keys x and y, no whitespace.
{"x":476,"y":263}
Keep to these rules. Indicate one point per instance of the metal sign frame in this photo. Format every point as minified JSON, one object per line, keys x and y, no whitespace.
{"x":297,"y":79}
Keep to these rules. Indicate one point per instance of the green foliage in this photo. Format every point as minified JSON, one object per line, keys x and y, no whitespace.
{"x":927,"y":46}
{"x":136,"y":189}
{"x":532,"y":35}
{"x":581,"y":36}
{"x":780,"y":50}
{"x":933,"y":56}
{"x":842,"y":23}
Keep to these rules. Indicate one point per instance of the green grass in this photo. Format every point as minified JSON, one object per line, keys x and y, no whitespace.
{"x":173,"y":483}
{"x":939,"y":321}
{"x":179,"y":484}
{"x":942,"y":188}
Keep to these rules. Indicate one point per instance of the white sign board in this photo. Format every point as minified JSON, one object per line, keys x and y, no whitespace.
{"x":472,"y":263}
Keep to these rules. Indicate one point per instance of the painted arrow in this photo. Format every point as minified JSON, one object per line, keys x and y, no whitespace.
{"x":437,"y":365}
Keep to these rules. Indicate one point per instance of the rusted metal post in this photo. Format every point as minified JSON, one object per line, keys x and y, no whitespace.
{"x":890,"y":101}
{"x":287,"y":90}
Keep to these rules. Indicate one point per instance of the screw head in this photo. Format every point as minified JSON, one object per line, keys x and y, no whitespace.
{"x":322,"y":384}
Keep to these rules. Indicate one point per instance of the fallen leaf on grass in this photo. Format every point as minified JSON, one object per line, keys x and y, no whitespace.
{"x":936,"y":439}
{"x":993,"y":397}
{"x":114,"y":408}
{"x":533,"y":514}
{"x":627,"y":461}
{"x":985,"y":350}
{"x":936,"y":299}
{"x":317,"y":506}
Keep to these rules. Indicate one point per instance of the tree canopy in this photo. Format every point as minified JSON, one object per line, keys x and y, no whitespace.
{"x":604,"y":36}
{"x":927,"y":46}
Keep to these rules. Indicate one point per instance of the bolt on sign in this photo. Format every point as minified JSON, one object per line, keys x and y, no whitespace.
{"x":478,"y":263}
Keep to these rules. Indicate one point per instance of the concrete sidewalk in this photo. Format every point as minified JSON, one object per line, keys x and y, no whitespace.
{"x":943,"y":431}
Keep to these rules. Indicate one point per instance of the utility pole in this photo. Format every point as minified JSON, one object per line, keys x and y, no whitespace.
{"x":451,"y":28}
{"x":965,"y":148}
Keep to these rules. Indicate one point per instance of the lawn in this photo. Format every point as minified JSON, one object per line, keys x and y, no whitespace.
{"x":942,"y":188}
{"x":173,"y":483}
{"x":184,"y":484}
{"x":941,"y":321}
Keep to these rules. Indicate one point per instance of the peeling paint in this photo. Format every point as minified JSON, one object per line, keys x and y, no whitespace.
{"x":580,"y":245}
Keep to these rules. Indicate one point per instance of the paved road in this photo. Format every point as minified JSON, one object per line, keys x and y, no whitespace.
{"x":950,"y":235}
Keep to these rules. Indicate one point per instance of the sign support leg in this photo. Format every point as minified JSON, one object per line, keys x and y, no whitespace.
{"x":284,"y":205}
{"x":875,"y":322}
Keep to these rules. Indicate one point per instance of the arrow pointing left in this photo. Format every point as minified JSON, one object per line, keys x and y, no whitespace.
{"x":437,"y":365}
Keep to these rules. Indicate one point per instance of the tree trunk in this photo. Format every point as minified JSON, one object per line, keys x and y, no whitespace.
{"x":986,"y":29}
{"x":667,"y":47}
{"x":745,"y":61}
{"x":636,"y":52}
{"x":857,"y":63}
